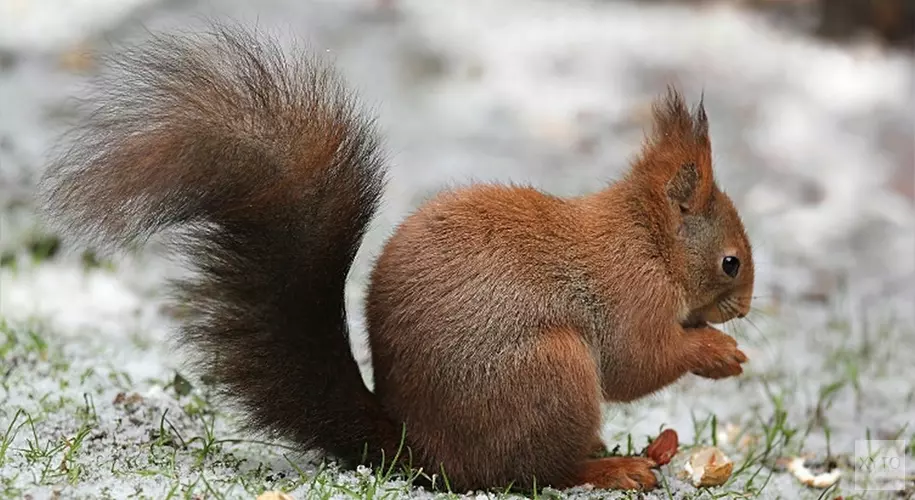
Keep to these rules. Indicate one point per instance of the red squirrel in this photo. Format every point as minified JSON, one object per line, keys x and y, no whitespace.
{"x":499,"y":317}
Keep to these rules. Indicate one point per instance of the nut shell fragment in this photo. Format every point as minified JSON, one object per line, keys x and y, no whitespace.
{"x":664,"y":447}
{"x":708,"y":467}
{"x":797,"y":467}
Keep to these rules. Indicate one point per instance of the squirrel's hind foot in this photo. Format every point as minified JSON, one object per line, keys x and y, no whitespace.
{"x":618,"y":473}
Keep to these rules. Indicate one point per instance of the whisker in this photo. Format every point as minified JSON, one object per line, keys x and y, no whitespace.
{"x":758,"y":329}
{"x":737,"y":328}
{"x":728,"y":308}
{"x":734,"y":304}
{"x":719,"y":306}
{"x":764,"y":339}
{"x":761,"y":312}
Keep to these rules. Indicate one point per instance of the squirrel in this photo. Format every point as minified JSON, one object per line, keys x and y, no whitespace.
{"x":499,"y":317}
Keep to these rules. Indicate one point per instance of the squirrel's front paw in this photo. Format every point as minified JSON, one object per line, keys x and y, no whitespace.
{"x":715,"y":353}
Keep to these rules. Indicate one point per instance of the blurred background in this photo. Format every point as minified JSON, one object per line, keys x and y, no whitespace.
{"x":812,"y":110}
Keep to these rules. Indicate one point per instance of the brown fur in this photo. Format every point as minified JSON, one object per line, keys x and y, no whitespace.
{"x":499,"y":317}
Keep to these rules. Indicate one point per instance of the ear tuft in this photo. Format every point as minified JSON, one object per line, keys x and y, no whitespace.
{"x":671,"y":117}
{"x":674,"y":122}
{"x":701,"y":126}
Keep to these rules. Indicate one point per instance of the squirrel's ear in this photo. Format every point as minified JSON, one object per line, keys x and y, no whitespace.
{"x":677,"y":155}
{"x":683,"y":187}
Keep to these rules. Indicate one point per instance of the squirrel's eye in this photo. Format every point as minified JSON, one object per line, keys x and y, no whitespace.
{"x":730,"y":265}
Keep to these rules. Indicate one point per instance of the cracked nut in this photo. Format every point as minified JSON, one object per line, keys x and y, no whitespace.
{"x":708,"y":467}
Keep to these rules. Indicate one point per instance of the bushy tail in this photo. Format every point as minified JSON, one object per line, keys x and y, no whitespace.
{"x":265,"y":166}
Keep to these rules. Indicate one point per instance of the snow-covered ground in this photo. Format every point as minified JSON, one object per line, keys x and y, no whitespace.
{"x":813,"y":141}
